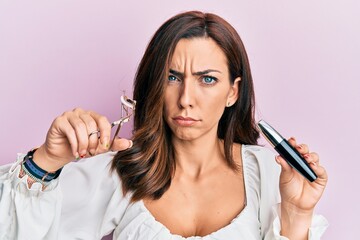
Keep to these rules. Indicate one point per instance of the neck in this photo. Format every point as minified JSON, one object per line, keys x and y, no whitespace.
{"x":197,"y":157}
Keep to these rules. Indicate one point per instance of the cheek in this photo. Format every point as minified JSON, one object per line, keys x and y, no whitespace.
{"x":170,"y":102}
{"x":217,"y":109}
{"x":217,"y":104}
{"x":213,"y":107}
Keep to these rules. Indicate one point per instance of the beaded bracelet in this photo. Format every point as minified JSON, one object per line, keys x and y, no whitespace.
{"x":34,"y":171}
{"x":31,"y":178}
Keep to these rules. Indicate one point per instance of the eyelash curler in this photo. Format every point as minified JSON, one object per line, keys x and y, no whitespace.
{"x":127,"y":110}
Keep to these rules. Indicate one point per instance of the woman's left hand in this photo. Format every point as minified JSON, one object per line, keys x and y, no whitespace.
{"x":298,"y":195}
{"x":297,"y":192}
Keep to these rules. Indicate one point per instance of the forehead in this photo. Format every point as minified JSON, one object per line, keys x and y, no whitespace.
{"x":202,"y":52}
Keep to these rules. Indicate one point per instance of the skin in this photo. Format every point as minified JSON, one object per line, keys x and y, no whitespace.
{"x":202,"y":175}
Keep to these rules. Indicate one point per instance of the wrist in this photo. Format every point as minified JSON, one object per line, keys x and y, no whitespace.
{"x":295,"y":222}
{"x":45,"y":161}
{"x":35,"y":173}
{"x":293,"y":210}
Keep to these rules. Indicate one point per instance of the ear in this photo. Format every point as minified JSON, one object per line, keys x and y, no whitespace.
{"x":233,"y":93}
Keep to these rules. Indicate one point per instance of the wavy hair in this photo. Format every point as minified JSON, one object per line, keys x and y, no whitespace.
{"x":147,"y":168}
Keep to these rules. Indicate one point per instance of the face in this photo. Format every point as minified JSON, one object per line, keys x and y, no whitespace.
{"x":198,"y":89}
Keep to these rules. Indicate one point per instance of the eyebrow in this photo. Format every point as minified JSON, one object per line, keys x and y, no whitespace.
{"x":181,"y":75}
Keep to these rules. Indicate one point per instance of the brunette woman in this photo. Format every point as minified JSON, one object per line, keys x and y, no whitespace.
{"x":192,"y":170}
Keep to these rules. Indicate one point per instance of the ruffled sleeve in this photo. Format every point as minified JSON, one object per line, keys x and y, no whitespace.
{"x":27,"y":212}
{"x":318,"y":226}
{"x":85,"y":202}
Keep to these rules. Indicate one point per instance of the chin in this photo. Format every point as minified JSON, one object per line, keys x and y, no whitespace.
{"x":185,"y":135}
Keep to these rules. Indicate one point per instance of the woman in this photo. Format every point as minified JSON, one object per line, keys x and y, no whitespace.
{"x":192,"y":170}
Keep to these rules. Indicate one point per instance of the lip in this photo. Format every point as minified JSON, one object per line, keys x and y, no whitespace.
{"x":184,"y":121}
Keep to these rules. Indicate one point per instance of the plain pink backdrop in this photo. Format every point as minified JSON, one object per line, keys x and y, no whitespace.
{"x":57,"y":55}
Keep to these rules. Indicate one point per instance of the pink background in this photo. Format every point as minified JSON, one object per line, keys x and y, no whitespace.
{"x":57,"y":55}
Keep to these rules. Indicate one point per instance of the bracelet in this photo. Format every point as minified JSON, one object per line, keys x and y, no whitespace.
{"x":31,"y":178}
{"x":35,"y":172}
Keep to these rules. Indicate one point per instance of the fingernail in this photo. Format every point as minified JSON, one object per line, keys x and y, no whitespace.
{"x":314,"y":164}
{"x":277,"y":159}
{"x":77,"y":157}
{"x":106,"y":142}
{"x":82,"y":153}
{"x":130,"y":144}
{"x":92,"y":152}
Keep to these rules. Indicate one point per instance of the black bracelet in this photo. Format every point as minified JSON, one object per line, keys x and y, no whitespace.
{"x":36,"y":171}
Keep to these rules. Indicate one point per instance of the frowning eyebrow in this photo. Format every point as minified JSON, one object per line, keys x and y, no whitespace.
{"x":200,"y":73}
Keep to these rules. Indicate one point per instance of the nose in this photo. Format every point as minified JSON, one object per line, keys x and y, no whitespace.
{"x":187,"y":94}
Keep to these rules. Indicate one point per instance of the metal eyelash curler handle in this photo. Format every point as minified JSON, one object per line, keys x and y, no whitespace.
{"x":128,"y":102}
{"x":126,"y":105}
{"x":127,"y":110}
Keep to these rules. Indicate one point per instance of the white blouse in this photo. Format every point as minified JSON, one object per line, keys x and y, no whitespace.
{"x":86,"y":202}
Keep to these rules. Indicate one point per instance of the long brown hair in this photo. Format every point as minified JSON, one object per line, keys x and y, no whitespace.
{"x":147,"y":168}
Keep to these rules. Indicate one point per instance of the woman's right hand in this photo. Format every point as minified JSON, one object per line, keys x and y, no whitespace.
{"x":69,"y":138}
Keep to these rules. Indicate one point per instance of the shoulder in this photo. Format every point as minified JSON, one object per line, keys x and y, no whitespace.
{"x":89,"y":175}
{"x":253,"y":152}
{"x":260,"y":161}
{"x":261,"y":156}
{"x":257,"y":151}
{"x":89,"y":188}
{"x":97,"y":166}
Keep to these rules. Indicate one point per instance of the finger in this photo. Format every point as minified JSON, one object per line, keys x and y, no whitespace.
{"x":311,"y":158}
{"x":286,"y":172}
{"x":321,"y":174}
{"x":121,"y":144}
{"x":65,"y":127}
{"x":91,"y":127}
{"x":81,"y":134}
{"x":104,"y":127}
{"x":101,"y":148}
{"x":282,"y":162}
{"x":320,"y":171}
{"x":302,"y":148}
{"x":292,"y":141}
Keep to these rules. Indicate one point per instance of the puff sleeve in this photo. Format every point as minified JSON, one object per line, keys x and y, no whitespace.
{"x":85,"y":202}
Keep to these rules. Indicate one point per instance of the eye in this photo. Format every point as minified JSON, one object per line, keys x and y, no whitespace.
{"x":172,"y":78}
{"x":209,"y":80}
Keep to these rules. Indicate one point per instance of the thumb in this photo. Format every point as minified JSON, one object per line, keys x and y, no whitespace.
{"x":286,"y":171}
{"x":285,"y":167}
{"x":121,"y":144}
